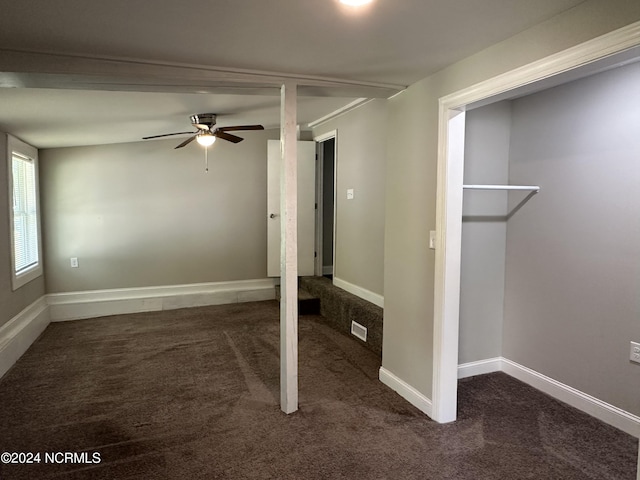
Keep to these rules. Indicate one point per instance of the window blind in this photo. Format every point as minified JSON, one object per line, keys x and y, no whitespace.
{"x":25,"y":214}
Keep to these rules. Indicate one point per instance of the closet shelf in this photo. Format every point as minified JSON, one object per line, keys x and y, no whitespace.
{"x":531,"y":188}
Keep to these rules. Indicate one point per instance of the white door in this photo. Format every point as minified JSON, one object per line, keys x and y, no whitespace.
{"x":306,"y":207}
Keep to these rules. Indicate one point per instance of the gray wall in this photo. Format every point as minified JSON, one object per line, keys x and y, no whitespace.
{"x":573,"y":252}
{"x":360,"y":164}
{"x":11,"y":303}
{"x":144,"y":214}
{"x":412,"y":134}
{"x":484,"y":233}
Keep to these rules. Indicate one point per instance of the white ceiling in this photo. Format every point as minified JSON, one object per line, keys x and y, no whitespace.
{"x":395,"y":42}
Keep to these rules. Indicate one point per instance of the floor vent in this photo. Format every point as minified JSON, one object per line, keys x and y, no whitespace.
{"x":359,"y":331}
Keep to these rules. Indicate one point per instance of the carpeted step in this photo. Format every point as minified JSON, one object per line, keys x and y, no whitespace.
{"x":341,"y":308}
{"x":307,"y":303}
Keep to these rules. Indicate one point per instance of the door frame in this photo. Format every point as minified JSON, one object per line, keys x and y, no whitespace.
{"x":450,"y":167}
{"x":320,"y":139}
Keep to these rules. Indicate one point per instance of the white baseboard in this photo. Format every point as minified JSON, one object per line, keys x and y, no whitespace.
{"x":595,"y":407}
{"x":406,"y":391}
{"x":99,"y":303}
{"x":480,"y":367}
{"x":603,"y":411}
{"x":359,"y":292}
{"x":17,"y":335}
{"x":327,"y":270}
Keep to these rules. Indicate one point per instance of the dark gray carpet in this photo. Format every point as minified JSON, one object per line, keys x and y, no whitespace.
{"x":193,"y":394}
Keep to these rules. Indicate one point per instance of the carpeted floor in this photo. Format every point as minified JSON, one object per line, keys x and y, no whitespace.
{"x":193,"y":394}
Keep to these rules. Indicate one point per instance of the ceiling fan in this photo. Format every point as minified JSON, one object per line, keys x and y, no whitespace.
{"x":206,"y":134}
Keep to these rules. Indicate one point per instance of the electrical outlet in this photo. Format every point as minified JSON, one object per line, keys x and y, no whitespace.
{"x":634,"y":355}
{"x":74,"y":262}
{"x":349,"y":193}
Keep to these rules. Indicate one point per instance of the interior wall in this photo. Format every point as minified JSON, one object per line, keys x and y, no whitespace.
{"x":360,"y":165}
{"x":412,"y":132}
{"x":484,"y":233}
{"x":573,"y":252}
{"x":144,"y":214}
{"x":11,"y":302}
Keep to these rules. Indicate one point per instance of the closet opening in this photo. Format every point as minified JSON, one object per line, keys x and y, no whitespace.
{"x":483,"y":209}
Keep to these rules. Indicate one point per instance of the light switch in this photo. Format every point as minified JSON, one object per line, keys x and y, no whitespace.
{"x":74,"y":262}
{"x":349,"y":193}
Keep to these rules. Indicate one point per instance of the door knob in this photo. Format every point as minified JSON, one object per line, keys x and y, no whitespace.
{"x":273,"y":215}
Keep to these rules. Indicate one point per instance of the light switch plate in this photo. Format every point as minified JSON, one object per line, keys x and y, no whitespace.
{"x":74,"y":262}
{"x":349,"y":193}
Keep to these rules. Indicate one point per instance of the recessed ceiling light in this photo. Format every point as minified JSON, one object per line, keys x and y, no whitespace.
{"x":355,"y":3}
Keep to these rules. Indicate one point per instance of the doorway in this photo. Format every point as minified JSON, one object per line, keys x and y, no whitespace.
{"x":577,"y":62}
{"x":325,"y":200}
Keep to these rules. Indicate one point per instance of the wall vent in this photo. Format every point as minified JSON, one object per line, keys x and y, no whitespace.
{"x":359,"y":331}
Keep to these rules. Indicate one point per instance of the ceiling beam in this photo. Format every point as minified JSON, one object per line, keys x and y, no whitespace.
{"x":24,"y":69}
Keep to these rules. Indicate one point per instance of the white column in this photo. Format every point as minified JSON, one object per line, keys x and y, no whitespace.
{"x":288,"y":250}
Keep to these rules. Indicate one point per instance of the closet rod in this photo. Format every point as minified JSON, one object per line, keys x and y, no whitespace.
{"x":533,"y":188}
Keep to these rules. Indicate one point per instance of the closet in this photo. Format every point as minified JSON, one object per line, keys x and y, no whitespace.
{"x":550,"y":269}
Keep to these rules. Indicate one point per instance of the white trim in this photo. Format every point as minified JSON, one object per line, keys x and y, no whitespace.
{"x":603,"y":411}
{"x":340,"y":111}
{"x":447,"y":268}
{"x":18,"y":146}
{"x":580,"y":55}
{"x":449,"y":187}
{"x":326,"y":136}
{"x":327,"y":270}
{"x":17,"y":335}
{"x":97,"y":303}
{"x":363,"y":293}
{"x":481,"y":367}
{"x":319,"y":207}
{"x":333,"y":134}
{"x":406,"y":391}
{"x":595,"y":407}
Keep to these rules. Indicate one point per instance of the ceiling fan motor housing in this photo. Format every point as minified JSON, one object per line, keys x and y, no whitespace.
{"x":203,"y":121}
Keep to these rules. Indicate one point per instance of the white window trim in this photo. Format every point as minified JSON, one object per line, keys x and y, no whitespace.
{"x":17,"y":146}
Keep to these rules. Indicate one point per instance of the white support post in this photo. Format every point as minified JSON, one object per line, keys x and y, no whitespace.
{"x":288,"y":250}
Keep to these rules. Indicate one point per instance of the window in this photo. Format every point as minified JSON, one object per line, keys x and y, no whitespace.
{"x":24,"y":212}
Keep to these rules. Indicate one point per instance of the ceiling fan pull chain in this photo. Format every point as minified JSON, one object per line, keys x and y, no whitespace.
{"x":206,"y":160}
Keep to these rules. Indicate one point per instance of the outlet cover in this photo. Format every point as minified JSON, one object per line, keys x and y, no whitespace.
{"x":634,"y":355}
{"x":74,"y":262}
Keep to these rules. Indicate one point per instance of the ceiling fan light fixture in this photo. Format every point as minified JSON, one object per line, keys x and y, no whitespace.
{"x":205,"y":139}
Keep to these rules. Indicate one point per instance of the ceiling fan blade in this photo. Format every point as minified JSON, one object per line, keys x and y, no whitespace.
{"x":240,"y":127}
{"x":227,"y":136}
{"x":187,"y":141}
{"x":168,"y":135}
